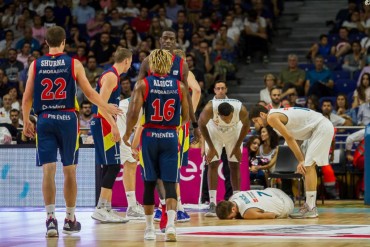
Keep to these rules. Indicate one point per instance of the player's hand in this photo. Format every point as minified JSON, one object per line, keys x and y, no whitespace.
{"x":115,"y":134}
{"x":211,"y":153}
{"x":197,"y":136}
{"x":135,"y":153}
{"x":254,"y":169}
{"x":114,"y":110}
{"x":301,"y":168}
{"x":126,"y":139}
{"x":28,"y":128}
{"x":237,"y":153}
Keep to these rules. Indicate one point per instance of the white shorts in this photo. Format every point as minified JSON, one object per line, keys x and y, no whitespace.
{"x":126,"y":153}
{"x":288,"y":204}
{"x":220,"y":140}
{"x":317,"y":148}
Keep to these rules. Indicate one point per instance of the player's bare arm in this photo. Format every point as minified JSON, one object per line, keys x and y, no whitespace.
{"x":136,"y":102}
{"x":205,"y":116}
{"x":244,"y":118}
{"x":28,"y":128}
{"x":195,"y":90}
{"x":275,"y":120}
{"x":256,"y":213}
{"x":144,"y":68}
{"x":184,"y":105}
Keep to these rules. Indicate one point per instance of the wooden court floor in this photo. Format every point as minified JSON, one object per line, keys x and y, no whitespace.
{"x":341,"y":223}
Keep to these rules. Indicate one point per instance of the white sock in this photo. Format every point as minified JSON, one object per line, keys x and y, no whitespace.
{"x":108,"y":205}
{"x":70,"y":213}
{"x":311,"y":199}
{"x":180,"y":207}
{"x":149,"y":221}
{"x":50,"y":211}
{"x":131,"y":198}
{"x":102,"y":202}
{"x":163,"y":201}
{"x":212,"y":196}
{"x":171,"y":214}
{"x":236,"y":191}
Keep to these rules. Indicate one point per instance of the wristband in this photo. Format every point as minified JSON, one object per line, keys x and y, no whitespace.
{"x":195,"y":125}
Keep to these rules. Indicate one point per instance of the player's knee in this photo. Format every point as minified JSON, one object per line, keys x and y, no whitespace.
{"x":234,"y":165}
{"x":131,"y":166}
{"x":149,"y":187}
{"x":213,"y":165}
{"x":170,"y":188}
{"x":110,"y":176}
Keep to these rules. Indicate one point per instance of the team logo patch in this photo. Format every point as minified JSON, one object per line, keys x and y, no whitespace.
{"x":280,"y":231}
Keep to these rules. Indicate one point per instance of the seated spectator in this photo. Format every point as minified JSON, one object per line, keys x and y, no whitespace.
{"x":18,"y":29}
{"x":14,"y":98}
{"x":172,"y":9}
{"x":23,"y":75}
{"x":49,"y":19}
{"x":268,"y":149}
{"x":182,"y":43}
{"x":362,"y":92}
{"x":9,"y":16}
{"x":322,"y":48}
{"x":327,"y":111}
{"x":354,"y":25}
{"x":92,"y":70}
{"x":292,"y":76}
{"x":293,"y":97}
{"x":5,"y":110}
{"x":313,"y":103}
{"x":15,"y":121}
{"x":256,"y":175}
{"x":132,"y":39}
{"x":81,"y":55}
{"x":163,"y":20}
{"x":358,"y":158}
{"x":95,"y":24}
{"x":233,"y":32}
{"x":3,"y":84}
{"x":130,"y":11}
{"x":74,"y":40}
{"x":116,"y":22}
{"x":206,"y":32}
{"x":62,"y":14}
{"x":22,"y":139}
{"x":103,"y":50}
{"x":222,"y":35}
{"x":141,"y":23}
{"x":342,"y":46}
{"x":12,"y":68}
{"x":319,"y":81}
{"x":81,"y":15}
{"x":38,"y":29}
{"x":85,"y":119}
{"x":7,"y":43}
{"x":344,"y":14}
{"x":354,"y":61}
{"x":363,"y":115}
{"x":275,"y":95}
{"x":28,"y":38}
{"x":270,"y":82}
{"x":126,"y":90}
{"x":223,"y":61}
{"x":342,"y":109}
{"x":181,"y":22}
{"x":254,"y":38}
{"x":5,"y":136}
{"x":24,"y":54}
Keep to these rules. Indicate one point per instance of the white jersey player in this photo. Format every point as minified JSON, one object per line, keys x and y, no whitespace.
{"x":295,"y":123}
{"x":134,"y":210}
{"x":256,"y":204}
{"x":223,"y":123}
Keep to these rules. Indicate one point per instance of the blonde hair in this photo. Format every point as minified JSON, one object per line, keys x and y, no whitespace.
{"x":160,"y":61}
{"x":121,"y":54}
{"x":179,"y":53}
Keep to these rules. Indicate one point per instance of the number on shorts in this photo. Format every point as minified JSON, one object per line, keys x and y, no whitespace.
{"x":48,"y":94}
{"x":168,"y":110}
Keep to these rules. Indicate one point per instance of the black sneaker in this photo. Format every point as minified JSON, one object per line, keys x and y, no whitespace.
{"x":52,"y":228}
{"x":71,"y":226}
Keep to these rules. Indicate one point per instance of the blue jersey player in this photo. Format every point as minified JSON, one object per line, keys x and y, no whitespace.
{"x":51,"y":87}
{"x":165,"y":105}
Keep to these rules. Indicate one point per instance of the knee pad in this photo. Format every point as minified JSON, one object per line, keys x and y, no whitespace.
{"x":149,"y":187}
{"x":170,"y":189}
{"x":110,"y":176}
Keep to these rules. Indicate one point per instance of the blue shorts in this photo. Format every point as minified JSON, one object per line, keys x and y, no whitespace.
{"x":106,"y":150}
{"x":159,"y":155}
{"x":57,"y":129}
{"x":184,"y":142}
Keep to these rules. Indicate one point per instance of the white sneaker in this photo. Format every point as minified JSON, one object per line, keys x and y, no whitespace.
{"x":115,"y":214}
{"x":102,"y":215}
{"x":170,"y":234}
{"x":135,"y":212}
{"x":149,"y":234}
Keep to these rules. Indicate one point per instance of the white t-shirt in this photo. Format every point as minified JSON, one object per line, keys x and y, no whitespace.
{"x":265,"y":95}
{"x":301,"y":121}
{"x":121,"y":119}
{"x":254,"y":26}
{"x":336,"y":120}
{"x":221,"y":125}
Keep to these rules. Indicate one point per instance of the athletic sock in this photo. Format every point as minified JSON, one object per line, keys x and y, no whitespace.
{"x":131,"y":198}
{"x":212,"y":196}
{"x":311,"y":199}
{"x":70,"y":213}
{"x":50,"y":211}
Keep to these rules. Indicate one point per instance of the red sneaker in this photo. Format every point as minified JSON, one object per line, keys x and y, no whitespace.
{"x":163,"y":222}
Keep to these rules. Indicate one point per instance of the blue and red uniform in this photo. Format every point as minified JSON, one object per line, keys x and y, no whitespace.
{"x":159,"y":154}
{"x":55,"y":103}
{"x":106,"y":150}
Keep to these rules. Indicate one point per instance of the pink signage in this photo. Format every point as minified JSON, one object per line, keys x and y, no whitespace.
{"x":190,"y":181}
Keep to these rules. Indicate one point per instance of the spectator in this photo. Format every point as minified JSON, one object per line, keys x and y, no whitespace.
{"x":209,"y":32}
{"x":7,"y":43}
{"x":49,"y":19}
{"x":81,"y":15}
{"x":182,"y":22}
{"x":141,"y":23}
{"x":327,"y":111}
{"x":293,"y":97}
{"x":363,"y":115}
{"x":254,"y":37}
{"x":28,"y":38}
{"x":222,"y":35}
{"x":103,"y":50}
{"x":155,"y":29}
{"x":268,"y":149}
{"x":342,"y":46}
{"x":362,"y":92}
{"x":74,"y":40}
{"x":106,"y":28}
{"x":190,"y":60}
{"x":354,"y":61}
{"x":322,"y":48}
{"x":22,"y":139}
{"x":163,"y":20}
{"x":23,"y":75}
{"x":130,"y":11}
{"x":342,"y":109}
{"x":132,"y":39}
{"x":354,"y":25}
{"x":5,"y":110}
{"x":92,"y":70}
{"x":223,"y":61}
{"x":182,"y":42}
{"x":275,"y":95}
{"x":62,"y":14}
{"x":12,"y":68}
{"x":233,"y":32}
{"x":3,"y":84}
{"x":172,"y":8}
{"x":14,"y":98}
{"x":116,"y":22}
{"x":24,"y":54}
{"x":126,"y":87}
{"x":95,"y":24}
{"x":38,"y":29}
{"x":292,"y":76}
{"x":270,"y":82}
{"x":37,"y":6}
{"x":319,"y":80}
{"x":15,"y":121}
{"x":9,"y":17}
{"x":85,"y":118}
{"x":81,"y":55}
{"x":18,"y":29}
{"x":313,"y":103}
{"x":344,"y":14}
{"x":256,"y":175}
